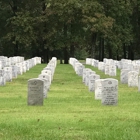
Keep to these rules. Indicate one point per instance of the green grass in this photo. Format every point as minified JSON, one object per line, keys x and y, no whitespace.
{"x":70,"y":112}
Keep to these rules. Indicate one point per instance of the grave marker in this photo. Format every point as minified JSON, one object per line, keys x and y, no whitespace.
{"x":35,"y":91}
{"x":132,"y":79}
{"x":109,"y":91}
{"x":98,"y":89}
{"x":92,"y":79}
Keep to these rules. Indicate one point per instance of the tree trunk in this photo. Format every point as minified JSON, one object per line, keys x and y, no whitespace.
{"x":124,"y":51}
{"x":72,"y":46}
{"x":101,"y":49}
{"x":130,"y":53}
{"x":16,"y":52}
{"x":46,"y":52}
{"x":66,"y":57}
{"x":117,"y":54}
{"x":72,"y":50}
{"x":14,"y":6}
{"x":14,"y":9}
{"x":65,"y":50}
{"x":61,"y":61}
{"x":45,"y":55}
{"x":93,"y":46}
{"x":110,"y":52}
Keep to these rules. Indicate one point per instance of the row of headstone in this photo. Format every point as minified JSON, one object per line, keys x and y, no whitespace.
{"x":130,"y":70}
{"x":105,"y":90}
{"x":77,"y":66}
{"x":38,"y":88}
{"x":89,"y":77}
{"x":15,"y":66}
{"x":6,"y":62}
{"x":122,"y":64}
{"x":129,"y":77}
{"x":108,"y":67}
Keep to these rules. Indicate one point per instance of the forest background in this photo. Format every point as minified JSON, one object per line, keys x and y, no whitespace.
{"x":74,"y":28}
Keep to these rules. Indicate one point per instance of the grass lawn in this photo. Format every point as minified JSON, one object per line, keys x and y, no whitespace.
{"x":70,"y":112}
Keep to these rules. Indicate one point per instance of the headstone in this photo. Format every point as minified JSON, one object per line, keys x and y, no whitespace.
{"x":96,"y":63}
{"x":8,"y":74}
{"x":79,"y":70}
{"x":51,"y":69}
{"x":136,"y":68}
{"x":124,"y":76}
{"x":0,"y":65}
{"x":84,"y":74}
{"x":98,"y":89}
{"x":125,"y":65}
{"x":8,"y":63}
{"x":133,"y":79}
{"x":27,"y":65}
{"x":35,"y":91}
{"x":109,"y":91}
{"x":88,"y":73}
{"x":24,"y":66}
{"x":2,"y":73}
{"x":101,"y":66}
{"x":2,"y":81}
{"x":47,"y":79}
{"x":92,"y":79}
{"x":106,"y":69}
{"x":112,"y":70}
{"x":14,"y":71}
{"x":47,"y":72}
{"x":119,"y":65}
{"x":45,"y":88}
{"x":19,"y":69}
{"x":88,"y":61}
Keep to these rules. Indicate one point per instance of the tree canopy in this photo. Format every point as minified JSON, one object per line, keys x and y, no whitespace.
{"x":74,"y":28}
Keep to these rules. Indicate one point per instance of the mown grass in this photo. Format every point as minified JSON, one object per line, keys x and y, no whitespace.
{"x":69,"y":113}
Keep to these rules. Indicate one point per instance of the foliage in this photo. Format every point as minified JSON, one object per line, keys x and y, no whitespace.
{"x":58,"y":24}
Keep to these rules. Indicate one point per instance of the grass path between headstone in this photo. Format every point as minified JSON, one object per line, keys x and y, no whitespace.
{"x":69,"y":113}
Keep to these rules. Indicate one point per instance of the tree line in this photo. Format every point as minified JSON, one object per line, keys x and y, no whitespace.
{"x":73,"y":28}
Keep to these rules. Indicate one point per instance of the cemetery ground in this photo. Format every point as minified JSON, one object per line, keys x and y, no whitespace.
{"x":70,"y":112}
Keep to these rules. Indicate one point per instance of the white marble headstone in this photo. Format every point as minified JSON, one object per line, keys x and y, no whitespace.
{"x":92,"y":79}
{"x":47,"y":72}
{"x":109,"y":91}
{"x":84,"y":74}
{"x":8,"y":74}
{"x":124,"y":76}
{"x":88,"y":73}
{"x":112,"y":70}
{"x":2,"y":81}
{"x":98,"y":89}
{"x":106,"y":69}
{"x":132,"y":79}
{"x":47,"y":78}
